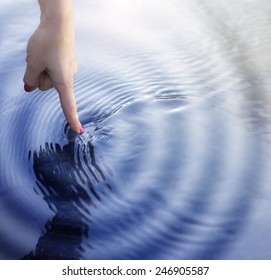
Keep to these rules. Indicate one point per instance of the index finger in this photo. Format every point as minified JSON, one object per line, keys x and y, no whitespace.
{"x":69,"y":107}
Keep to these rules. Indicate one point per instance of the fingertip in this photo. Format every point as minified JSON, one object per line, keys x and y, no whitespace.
{"x":78,"y":130}
{"x":82,"y":130}
{"x":76,"y":126}
{"x":31,"y":78}
{"x":28,"y":88}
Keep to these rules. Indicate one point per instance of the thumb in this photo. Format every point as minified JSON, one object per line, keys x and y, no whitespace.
{"x":31,"y":78}
{"x":69,"y":107}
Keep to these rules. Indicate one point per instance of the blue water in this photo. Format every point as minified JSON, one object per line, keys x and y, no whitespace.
{"x":175,"y":162}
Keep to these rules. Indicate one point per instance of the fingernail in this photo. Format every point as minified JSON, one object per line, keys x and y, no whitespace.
{"x":82,"y":130}
{"x":27,"y":88}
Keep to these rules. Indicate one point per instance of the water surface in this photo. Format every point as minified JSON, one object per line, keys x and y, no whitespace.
{"x":174,"y":97}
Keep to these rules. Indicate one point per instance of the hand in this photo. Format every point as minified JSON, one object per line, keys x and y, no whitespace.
{"x":51,"y":58}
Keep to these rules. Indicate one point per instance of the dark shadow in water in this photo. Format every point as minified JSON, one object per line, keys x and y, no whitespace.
{"x":66,"y":178}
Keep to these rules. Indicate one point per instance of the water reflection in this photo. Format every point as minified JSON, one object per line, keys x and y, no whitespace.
{"x":66,"y":178}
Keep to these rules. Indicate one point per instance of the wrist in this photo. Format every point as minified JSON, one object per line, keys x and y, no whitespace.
{"x":56,"y":12}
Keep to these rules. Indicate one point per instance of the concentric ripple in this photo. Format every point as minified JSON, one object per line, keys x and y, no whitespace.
{"x":174,"y":162}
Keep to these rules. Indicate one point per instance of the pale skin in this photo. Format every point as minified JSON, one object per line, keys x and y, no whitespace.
{"x":51,"y":56}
